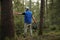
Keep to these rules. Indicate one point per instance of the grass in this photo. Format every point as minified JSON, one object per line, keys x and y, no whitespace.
{"x":53,"y":35}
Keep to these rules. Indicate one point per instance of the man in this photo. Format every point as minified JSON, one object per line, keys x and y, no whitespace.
{"x":28,"y":20}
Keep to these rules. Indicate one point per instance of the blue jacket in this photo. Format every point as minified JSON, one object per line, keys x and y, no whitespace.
{"x":28,"y":17}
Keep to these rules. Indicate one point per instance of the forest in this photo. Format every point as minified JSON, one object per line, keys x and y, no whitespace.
{"x":46,"y":13}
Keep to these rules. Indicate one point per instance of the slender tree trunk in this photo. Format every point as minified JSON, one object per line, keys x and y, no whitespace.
{"x":47,"y":15}
{"x":30,"y":4}
{"x":0,"y":19}
{"x":51,"y":4}
{"x":41,"y":17}
{"x":51,"y":9}
{"x":46,"y":7}
{"x":7,"y":23}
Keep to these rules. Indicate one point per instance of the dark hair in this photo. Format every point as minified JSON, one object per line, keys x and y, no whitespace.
{"x":27,"y":9}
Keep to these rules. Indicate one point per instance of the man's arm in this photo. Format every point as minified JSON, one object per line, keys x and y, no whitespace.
{"x":34,"y":19}
{"x":19,"y":13}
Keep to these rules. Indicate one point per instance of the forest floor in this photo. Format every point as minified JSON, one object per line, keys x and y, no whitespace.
{"x":47,"y":36}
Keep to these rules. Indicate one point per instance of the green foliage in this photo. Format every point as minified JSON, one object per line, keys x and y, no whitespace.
{"x":19,"y":7}
{"x":18,"y":19}
{"x":54,"y":11}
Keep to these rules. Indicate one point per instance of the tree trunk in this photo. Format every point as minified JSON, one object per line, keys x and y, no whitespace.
{"x":30,"y":4}
{"x":46,"y":11}
{"x":7,"y":23}
{"x":46,"y":7}
{"x":41,"y":17}
{"x":51,"y":4}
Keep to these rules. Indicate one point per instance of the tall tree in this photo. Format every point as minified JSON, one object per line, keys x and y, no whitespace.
{"x":7,"y":22}
{"x":41,"y":17}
